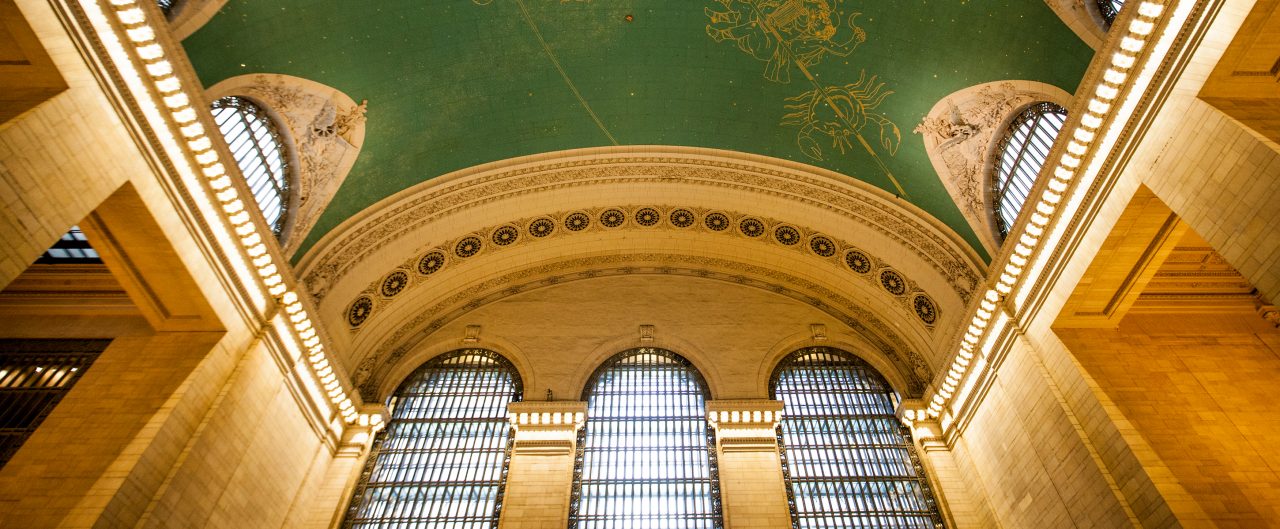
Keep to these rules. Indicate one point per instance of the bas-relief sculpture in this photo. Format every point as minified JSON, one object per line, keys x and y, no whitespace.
{"x":326,"y":128}
{"x":959,"y":134}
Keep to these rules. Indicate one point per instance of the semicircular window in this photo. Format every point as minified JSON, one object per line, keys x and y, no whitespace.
{"x":255,"y":142}
{"x":1109,"y":9}
{"x":846,"y":459}
{"x":646,"y":455}
{"x":1022,"y":153}
{"x":442,"y":459}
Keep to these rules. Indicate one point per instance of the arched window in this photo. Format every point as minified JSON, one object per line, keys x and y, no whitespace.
{"x":166,"y":5}
{"x":442,"y":460}
{"x":255,"y":143}
{"x":646,"y":457}
{"x":846,"y":459}
{"x":1109,"y":9}
{"x":1022,"y":153}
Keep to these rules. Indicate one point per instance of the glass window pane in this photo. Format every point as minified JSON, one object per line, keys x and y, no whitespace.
{"x":847,"y":460}
{"x":442,"y":458}
{"x":646,"y":454}
{"x":255,"y":143}
{"x":1023,"y":151}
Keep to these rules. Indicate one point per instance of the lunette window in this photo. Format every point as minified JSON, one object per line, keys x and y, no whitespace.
{"x":646,"y":456}
{"x":1022,"y":153}
{"x":256,"y":144}
{"x":847,"y":461}
{"x":442,"y":459}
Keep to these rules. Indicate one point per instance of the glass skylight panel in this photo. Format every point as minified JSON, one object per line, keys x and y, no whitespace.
{"x":442,"y":460}
{"x":646,"y":454}
{"x":255,"y":143}
{"x":1109,"y":9}
{"x":847,"y":461}
{"x":1023,"y":152}
{"x":72,"y":247}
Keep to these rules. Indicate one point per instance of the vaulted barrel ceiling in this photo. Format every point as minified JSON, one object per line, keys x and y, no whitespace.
{"x":456,"y":83}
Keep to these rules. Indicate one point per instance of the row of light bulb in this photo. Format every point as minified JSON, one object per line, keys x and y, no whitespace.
{"x":1078,"y":143}
{"x":176,"y":101}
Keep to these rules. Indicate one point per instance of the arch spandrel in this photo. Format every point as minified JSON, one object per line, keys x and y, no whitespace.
{"x":960,"y":135}
{"x":324,"y":130}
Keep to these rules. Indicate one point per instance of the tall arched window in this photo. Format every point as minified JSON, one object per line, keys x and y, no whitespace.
{"x":1022,"y":153}
{"x":442,"y":460}
{"x":255,"y":143}
{"x":847,"y":460}
{"x":646,"y":457}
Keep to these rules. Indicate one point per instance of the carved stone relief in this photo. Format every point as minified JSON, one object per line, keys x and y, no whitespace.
{"x":959,"y":134}
{"x":326,"y":129}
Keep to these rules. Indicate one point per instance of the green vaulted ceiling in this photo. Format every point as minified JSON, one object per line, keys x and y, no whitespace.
{"x":455,"y":83}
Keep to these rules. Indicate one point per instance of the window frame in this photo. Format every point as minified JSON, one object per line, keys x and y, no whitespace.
{"x":282,"y":187}
{"x":418,"y":377}
{"x":999,"y":184}
{"x":877,"y":384}
{"x":713,"y":476}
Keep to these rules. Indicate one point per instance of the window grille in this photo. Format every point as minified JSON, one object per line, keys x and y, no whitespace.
{"x":256,"y":144}
{"x":73,"y":247}
{"x":166,"y":5}
{"x":442,"y":460}
{"x":34,"y":376}
{"x":1109,"y":9}
{"x":846,"y":459}
{"x":646,"y":456}
{"x":1022,"y":153}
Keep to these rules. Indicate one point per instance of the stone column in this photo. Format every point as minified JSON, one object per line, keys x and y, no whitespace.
{"x":752,"y":490}
{"x":540,"y":475}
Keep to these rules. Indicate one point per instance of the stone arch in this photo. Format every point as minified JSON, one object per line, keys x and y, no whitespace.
{"x":850,"y":343}
{"x":188,"y":16}
{"x":1084,"y":18}
{"x":960,"y":135}
{"x":427,"y":351}
{"x":324,"y":129}
{"x":699,"y":359}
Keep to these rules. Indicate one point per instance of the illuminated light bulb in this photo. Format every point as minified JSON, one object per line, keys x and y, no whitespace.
{"x":233,"y":207}
{"x":257,"y":250}
{"x":1150,"y":9}
{"x":1035,"y":230}
{"x":1013,"y":270}
{"x":316,"y":357}
{"x":316,"y":350}
{"x":970,"y":339}
{"x":1064,"y":173}
{"x":220,"y":183}
{"x":1007,"y":279}
{"x":168,"y":85}
{"x":954,"y":374}
{"x":947,"y":392}
{"x":267,"y":270}
{"x":1049,"y":197}
{"x":1083,"y":136}
{"x":991,"y":295}
{"x":202,"y":144}
{"x":1028,"y":240}
{"x":150,"y":52}
{"x":966,"y":354}
{"x":251,"y":240}
{"x":290,"y":298}
{"x":935,"y":414}
{"x":141,"y":34}
{"x":1057,"y":186}
{"x":131,"y":16}
{"x":1099,"y":107}
{"x":1091,"y":121}
{"x":375,"y":420}
{"x":177,"y":101}
{"x":966,"y":347}
{"x":276,"y":290}
{"x":1076,"y":148}
{"x":1114,"y":77}
{"x":297,"y":317}
{"x":307,"y":334}
{"x":983,"y":314}
{"x":1070,"y":162}
{"x":1141,"y":27}
{"x":1004,"y":288}
{"x":1106,"y":92}
{"x":272,"y":280}
{"x":226,"y":195}
{"x":206,"y":157}
{"x":334,"y":393}
{"x":311,"y":341}
{"x":303,"y":327}
{"x":1045,"y":208}
{"x":963,"y":361}
{"x":294,"y":308}
{"x":1122,"y":61}
{"x":118,"y":3}
{"x":160,"y":69}
{"x":215,"y":171}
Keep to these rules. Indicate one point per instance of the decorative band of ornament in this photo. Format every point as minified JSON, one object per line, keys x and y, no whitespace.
{"x":456,"y":252}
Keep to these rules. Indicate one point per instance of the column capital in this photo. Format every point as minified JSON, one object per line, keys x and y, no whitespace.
{"x":546,"y":427}
{"x":745,"y":425}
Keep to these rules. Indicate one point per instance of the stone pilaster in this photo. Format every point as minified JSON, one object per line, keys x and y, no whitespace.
{"x":752,"y":490}
{"x":541,"y":471}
